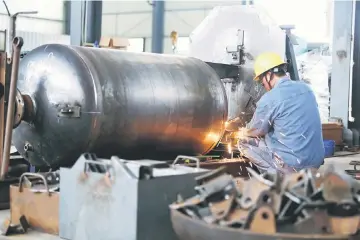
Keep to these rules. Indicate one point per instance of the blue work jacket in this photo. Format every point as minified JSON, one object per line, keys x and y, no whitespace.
{"x":289,"y":119}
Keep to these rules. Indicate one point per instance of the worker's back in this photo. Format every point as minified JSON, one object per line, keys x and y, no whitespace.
{"x":297,"y":132}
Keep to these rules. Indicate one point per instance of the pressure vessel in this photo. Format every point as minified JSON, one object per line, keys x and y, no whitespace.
{"x":112,"y":102}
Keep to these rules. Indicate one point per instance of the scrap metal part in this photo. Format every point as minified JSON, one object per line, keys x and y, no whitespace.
{"x":302,"y":205}
{"x":9,"y":229}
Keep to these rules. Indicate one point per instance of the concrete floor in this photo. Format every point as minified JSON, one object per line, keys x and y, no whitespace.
{"x":341,"y":161}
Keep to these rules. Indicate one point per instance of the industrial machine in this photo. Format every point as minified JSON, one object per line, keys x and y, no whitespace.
{"x":115,"y":103}
{"x":72,"y":99}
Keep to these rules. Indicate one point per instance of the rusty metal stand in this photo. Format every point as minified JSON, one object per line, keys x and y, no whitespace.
{"x":7,"y":104}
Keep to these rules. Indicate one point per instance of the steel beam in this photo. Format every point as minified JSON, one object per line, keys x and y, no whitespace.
{"x":158,"y":15}
{"x":67,"y":17}
{"x":76,"y":22}
{"x":93,"y":17}
{"x":341,"y":60}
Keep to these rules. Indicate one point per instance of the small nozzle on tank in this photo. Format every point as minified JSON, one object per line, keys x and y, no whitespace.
{"x":28,"y":147}
{"x":24,"y":109}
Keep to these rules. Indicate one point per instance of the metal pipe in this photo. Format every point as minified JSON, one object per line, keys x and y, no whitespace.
{"x":10,"y":35}
{"x":351,"y":118}
{"x":17,"y":44}
{"x":157,"y":41}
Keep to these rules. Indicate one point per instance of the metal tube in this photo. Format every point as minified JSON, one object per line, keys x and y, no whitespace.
{"x":17,"y":44}
{"x":157,"y":41}
{"x":10,"y":35}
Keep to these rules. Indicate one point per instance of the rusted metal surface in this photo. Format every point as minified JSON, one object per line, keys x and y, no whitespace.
{"x":303,"y":205}
{"x":192,"y":229}
{"x":37,"y":203}
{"x":263,"y":220}
{"x":17,"y":44}
{"x":2,"y":101}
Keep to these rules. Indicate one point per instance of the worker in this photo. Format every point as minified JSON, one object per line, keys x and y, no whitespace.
{"x":285,"y":133}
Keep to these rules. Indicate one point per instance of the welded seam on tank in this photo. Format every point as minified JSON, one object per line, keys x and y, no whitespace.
{"x":221,"y":132}
{"x":97,"y":128}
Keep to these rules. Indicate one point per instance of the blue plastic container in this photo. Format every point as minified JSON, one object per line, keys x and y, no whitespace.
{"x":329,"y":146}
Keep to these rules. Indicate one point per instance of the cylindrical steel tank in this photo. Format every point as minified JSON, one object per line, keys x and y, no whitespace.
{"x":111,"y":102}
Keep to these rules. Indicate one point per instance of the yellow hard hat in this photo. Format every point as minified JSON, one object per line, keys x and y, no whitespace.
{"x":266,"y":61}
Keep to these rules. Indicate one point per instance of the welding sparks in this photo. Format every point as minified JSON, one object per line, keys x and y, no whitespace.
{"x":276,"y":165}
{"x":229,"y":148}
{"x":212,"y":137}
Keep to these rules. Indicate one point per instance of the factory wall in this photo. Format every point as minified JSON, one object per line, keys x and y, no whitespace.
{"x":133,"y":20}
{"x":49,"y":19}
{"x":33,"y":40}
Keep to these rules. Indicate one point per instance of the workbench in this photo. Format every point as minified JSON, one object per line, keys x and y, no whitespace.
{"x":341,"y":161}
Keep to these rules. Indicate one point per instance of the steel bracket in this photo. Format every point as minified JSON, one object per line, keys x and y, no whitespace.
{"x":68,"y":111}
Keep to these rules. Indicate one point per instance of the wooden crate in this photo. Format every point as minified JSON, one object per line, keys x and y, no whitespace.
{"x":333,"y":131}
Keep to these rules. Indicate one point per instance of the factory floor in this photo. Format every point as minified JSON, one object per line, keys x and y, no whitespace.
{"x":341,"y":160}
